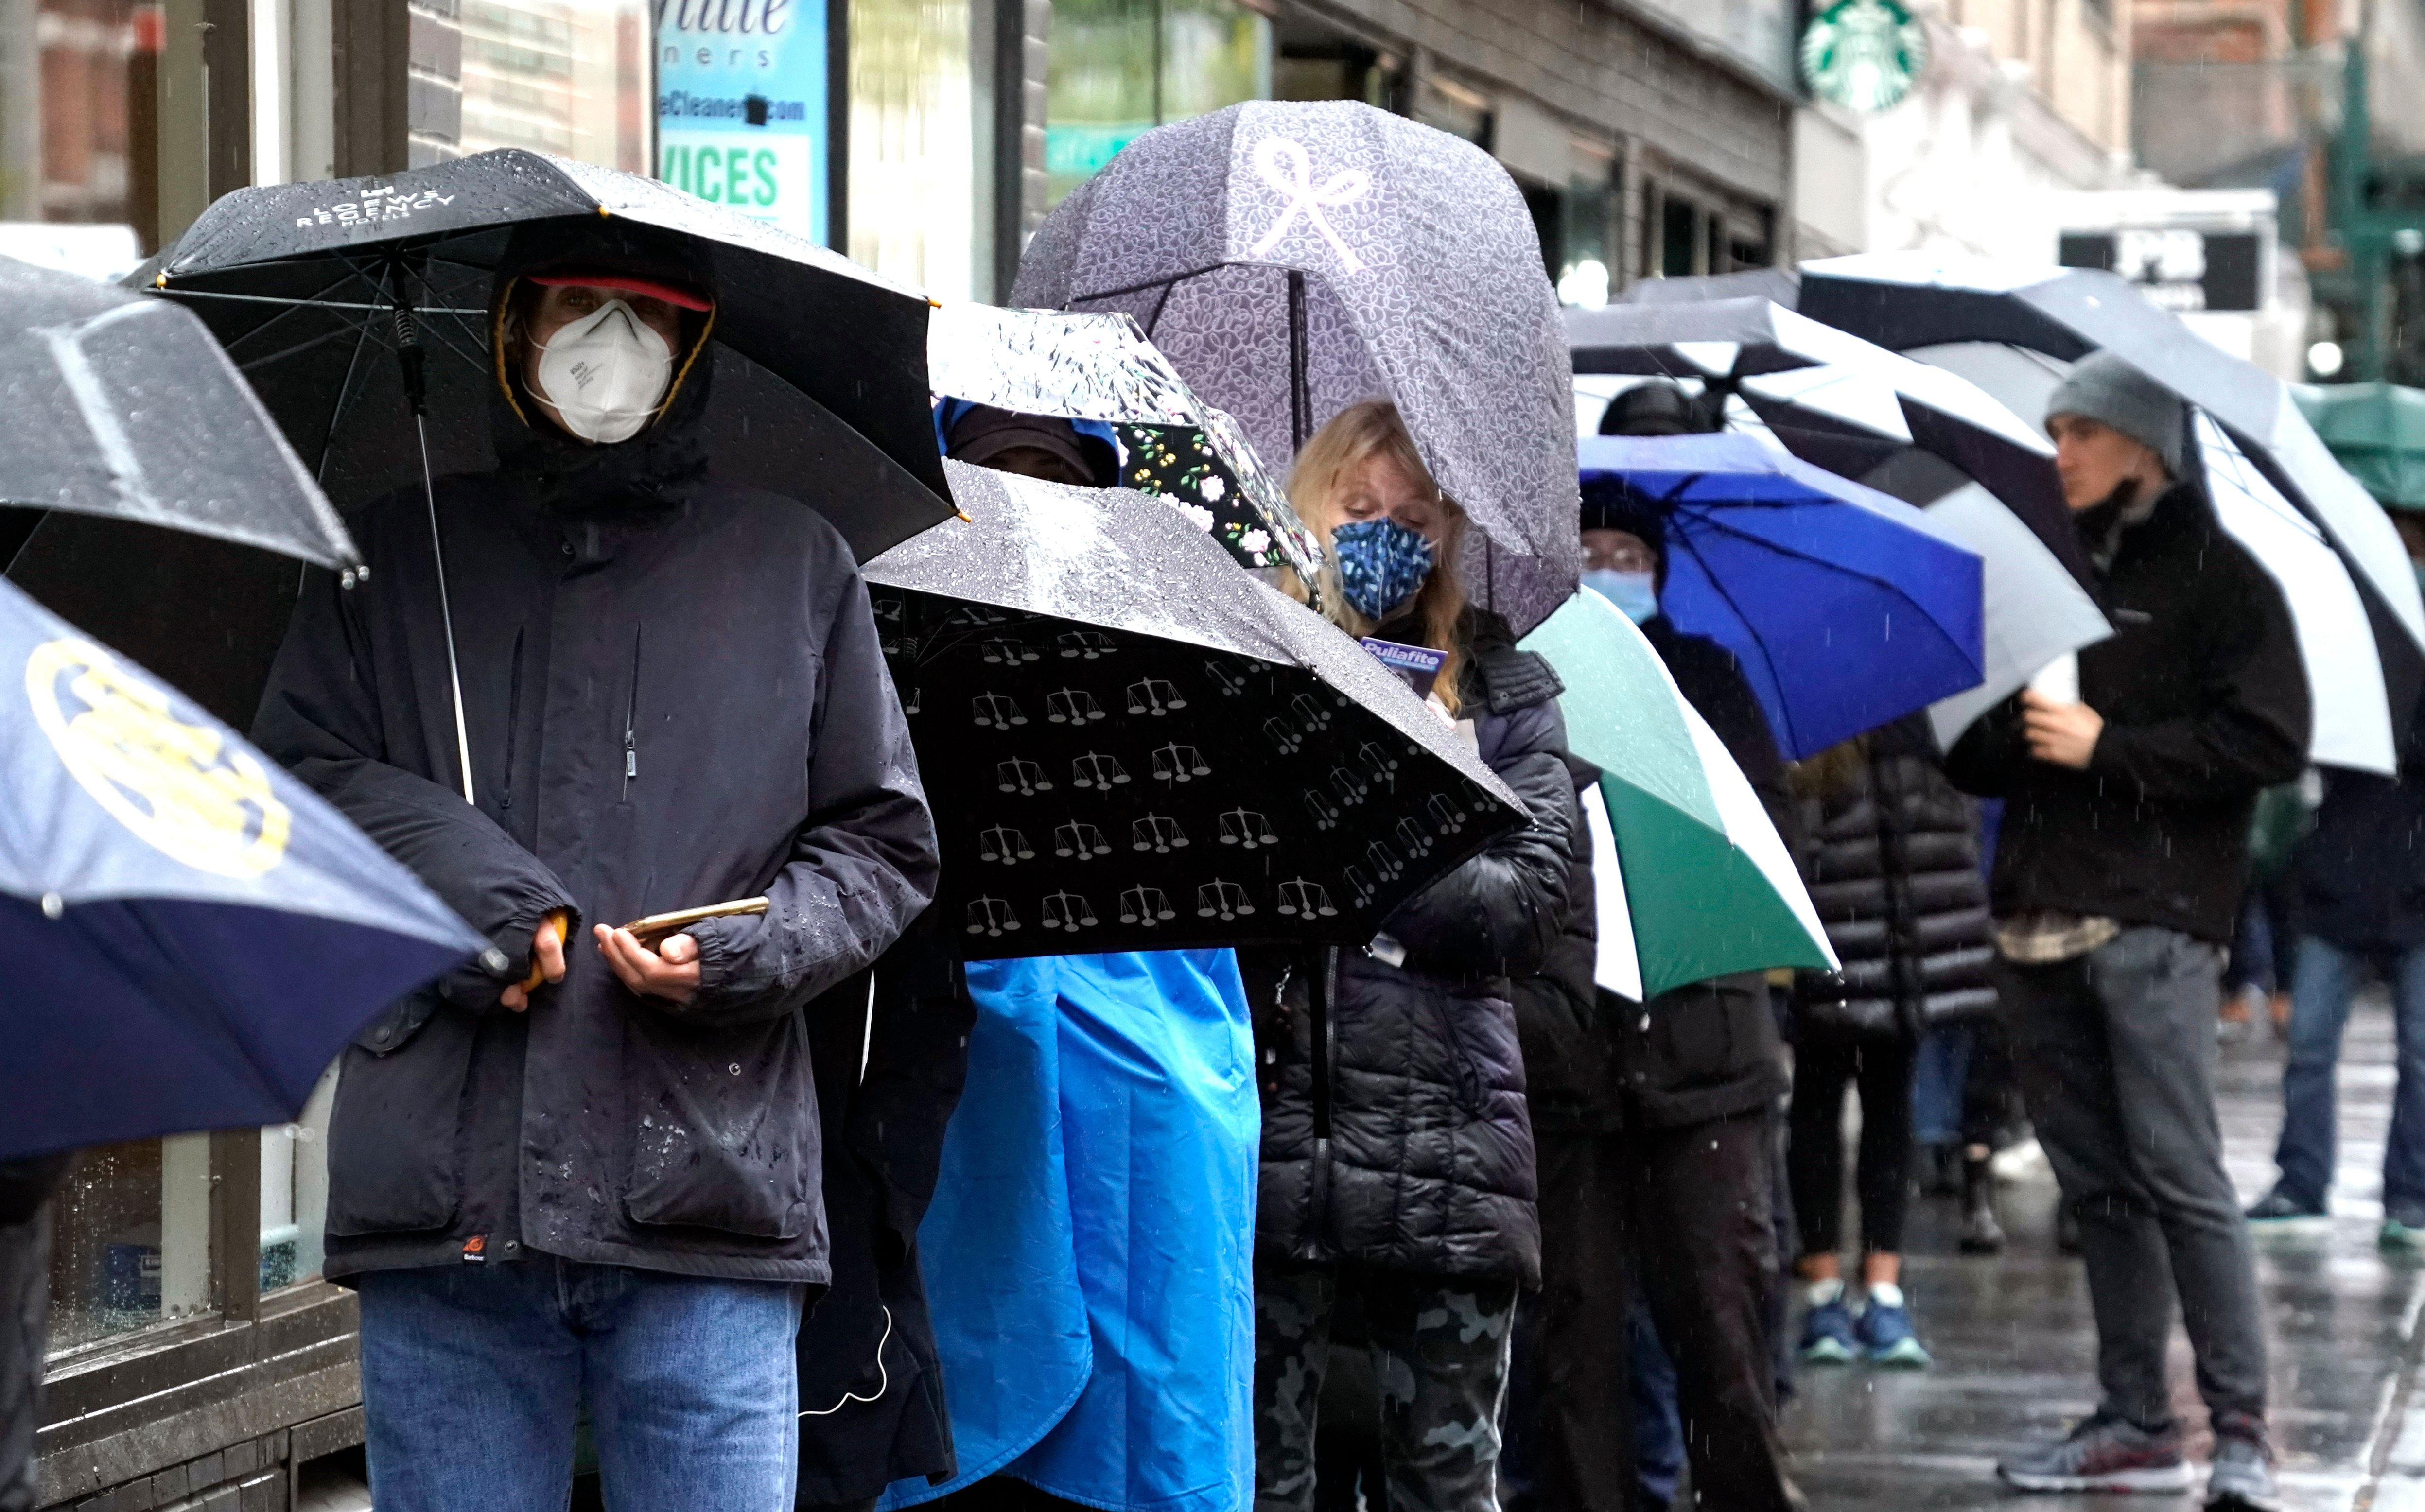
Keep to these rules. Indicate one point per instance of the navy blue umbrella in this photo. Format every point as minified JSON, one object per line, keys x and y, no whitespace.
{"x":187,"y":935}
{"x":1847,"y":609}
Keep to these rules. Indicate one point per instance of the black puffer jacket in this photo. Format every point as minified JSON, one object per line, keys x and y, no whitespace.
{"x":1890,"y":850}
{"x":674,"y":696}
{"x":1429,"y":1164}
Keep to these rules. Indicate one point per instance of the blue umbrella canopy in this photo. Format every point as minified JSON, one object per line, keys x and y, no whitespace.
{"x":188,"y":935}
{"x":1847,"y":609}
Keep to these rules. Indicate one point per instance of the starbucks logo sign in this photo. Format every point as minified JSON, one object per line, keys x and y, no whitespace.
{"x":1863,"y":55}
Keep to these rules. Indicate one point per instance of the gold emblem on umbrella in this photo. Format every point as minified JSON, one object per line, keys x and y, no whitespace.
{"x":185,"y":789}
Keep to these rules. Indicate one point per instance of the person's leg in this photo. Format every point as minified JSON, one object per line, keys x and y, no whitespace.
{"x":1440,"y":1345}
{"x":693,"y":1388}
{"x":1884,"y":1069}
{"x":470,"y":1383}
{"x":1658,"y":1428}
{"x":2319,"y":1003}
{"x":1293,"y":1305}
{"x":2158,"y":989}
{"x":2056,"y":1028}
{"x":2404,"y":1149}
{"x":1568,"y":1432}
{"x":1940,"y":1065}
{"x":1814,"y":1157}
{"x":1700,"y":1222}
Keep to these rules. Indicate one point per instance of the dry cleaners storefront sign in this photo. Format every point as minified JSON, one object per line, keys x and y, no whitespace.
{"x":742,"y":106}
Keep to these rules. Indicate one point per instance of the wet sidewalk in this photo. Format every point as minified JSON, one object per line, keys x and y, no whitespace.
{"x":2015,"y":1352}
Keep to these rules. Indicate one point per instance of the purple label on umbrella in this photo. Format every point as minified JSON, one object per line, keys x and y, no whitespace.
{"x":1418,"y":665}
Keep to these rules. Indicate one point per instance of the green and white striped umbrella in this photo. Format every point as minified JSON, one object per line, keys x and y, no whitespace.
{"x":1691,"y":880}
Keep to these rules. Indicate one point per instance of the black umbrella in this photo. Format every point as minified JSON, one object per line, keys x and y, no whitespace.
{"x":317,"y":288}
{"x":1130,"y":745}
{"x":125,"y":415}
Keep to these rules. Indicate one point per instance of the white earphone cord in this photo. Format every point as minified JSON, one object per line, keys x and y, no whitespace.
{"x":883,"y":1372}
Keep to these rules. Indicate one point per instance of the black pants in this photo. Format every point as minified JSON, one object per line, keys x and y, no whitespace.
{"x":1991,"y":1088}
{"x":1684,"y":1214}
{"x":1814,"y":1163}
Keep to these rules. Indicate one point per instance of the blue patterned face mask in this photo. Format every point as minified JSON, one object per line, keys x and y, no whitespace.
{"x":1381,"y":564}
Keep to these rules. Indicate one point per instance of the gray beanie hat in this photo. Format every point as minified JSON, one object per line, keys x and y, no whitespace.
{"x":2111,"y":391}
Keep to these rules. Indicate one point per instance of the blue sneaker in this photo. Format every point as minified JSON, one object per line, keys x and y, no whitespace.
{"x":1827,"y":1336}
{"x":1886,"y":1334}
{"x":2404,"y":1226}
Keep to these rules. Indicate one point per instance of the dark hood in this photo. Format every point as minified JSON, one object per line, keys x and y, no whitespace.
{"x":660,"y":465}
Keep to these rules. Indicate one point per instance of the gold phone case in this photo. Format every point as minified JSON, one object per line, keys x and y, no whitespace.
{"x":657,"y":926}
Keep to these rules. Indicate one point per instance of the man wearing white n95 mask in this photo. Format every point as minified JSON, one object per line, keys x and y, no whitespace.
{"x":588,"y":1179}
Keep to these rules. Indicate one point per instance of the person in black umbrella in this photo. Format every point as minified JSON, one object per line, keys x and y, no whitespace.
{"x":2119,"y":866}
{"x":590,"y":1177}
{"x":1655,"y":1125}
{"x":1397,"y":1156}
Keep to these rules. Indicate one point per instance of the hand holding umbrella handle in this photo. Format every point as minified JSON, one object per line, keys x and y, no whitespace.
{"x":561,"y":922}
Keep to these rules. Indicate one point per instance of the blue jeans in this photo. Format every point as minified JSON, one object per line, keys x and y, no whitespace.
{"x":473,"y":1376}
{"x":1939,"y":1075}
{"x":2324,"y":981}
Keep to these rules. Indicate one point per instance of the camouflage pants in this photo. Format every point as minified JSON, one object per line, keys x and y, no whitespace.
{"x":1439,"y":1355}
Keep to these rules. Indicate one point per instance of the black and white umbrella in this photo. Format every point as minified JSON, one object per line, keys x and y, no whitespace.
{"x":1100,"y":367}
{"x":1922,"y":305}
{"x":1130,"y":745}
{"x":1920,"y":433}
{"x":2351,"y":668}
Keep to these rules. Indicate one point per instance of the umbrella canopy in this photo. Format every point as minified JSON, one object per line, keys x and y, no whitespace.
{"x":819,"y":367}
{"x":1844,"y":404}
{"x":2338,"y":642}
{"x":1100,"y":367}
{"x":1847,"y":609}
{"x":1293,"y":259}
{"x":1130,"y":745}
{"x":2374,"y":431}
{"x":191,"y":935}
{"x":1690,"y":878}
{"x":122,"y":407}
{"x":1907,"y":300}
{"x":128,"y":415}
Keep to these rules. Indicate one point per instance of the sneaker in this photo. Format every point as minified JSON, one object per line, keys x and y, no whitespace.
{"x":2242,"y":1478}
{"x":2404,"y":1226}
{"x":1827,"y":1334}
{"x":1886,"y":1334}
{"x":2102,"y":1454}
{"x":1981,"y":1234}
{"x":2279,"y":1209}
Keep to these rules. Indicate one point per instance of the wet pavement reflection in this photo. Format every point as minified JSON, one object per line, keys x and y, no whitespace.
{"x":2015,"y":1352}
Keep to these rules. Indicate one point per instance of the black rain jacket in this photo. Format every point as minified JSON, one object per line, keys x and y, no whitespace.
{"x":674,"y":697}
{"x":1430,"y":1166}
{"x":2204,"y":703}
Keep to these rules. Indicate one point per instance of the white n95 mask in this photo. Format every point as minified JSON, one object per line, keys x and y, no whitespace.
{"x":605,"y":373}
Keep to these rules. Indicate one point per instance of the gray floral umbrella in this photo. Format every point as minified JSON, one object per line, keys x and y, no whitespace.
{"x":1292,"y":259}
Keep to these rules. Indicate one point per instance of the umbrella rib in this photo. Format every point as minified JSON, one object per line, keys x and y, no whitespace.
{"x":1702,"y":513}
{"x":1163,"y":285}
{"x":303,"y":346}
{"x":345,"y":401}
{"x":317,"y":303}
{"x":325,"y":289}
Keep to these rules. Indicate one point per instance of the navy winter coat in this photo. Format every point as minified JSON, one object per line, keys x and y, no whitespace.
{"x":1430,"y":1166}
{"x":674,"y":697}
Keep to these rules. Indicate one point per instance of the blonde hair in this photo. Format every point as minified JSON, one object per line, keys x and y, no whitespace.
{"x":1323,"y":469}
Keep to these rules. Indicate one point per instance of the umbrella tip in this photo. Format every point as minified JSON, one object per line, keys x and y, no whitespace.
{"x":603,"y":212}
{"x":160,"y":280}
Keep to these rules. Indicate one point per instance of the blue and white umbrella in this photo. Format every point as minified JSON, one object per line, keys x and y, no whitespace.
{"x":188,"y":934}
{"x":1847,"y":609}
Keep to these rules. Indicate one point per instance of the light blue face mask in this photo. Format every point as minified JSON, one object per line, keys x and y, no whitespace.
{"x":1635,"y":594}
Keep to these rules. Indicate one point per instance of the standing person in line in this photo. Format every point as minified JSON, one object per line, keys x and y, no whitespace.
{"x":2120,"y":863}
{"x":589,"y":1176}
{"x":1890,"y":851}
{"x":2360,"y":883}
{"x":1656,"y":1141}
{"x":1423,"y":1209}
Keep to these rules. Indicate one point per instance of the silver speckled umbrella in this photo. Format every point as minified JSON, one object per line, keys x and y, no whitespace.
{"x":1291,"y":259}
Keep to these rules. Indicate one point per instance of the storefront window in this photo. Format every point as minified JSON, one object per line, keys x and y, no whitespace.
{"x":77,"y":80}
{"x":914,"y":143}
{"x":132,"y":1245}
{"x":1119,"y":67}
{"x":569,"y":78}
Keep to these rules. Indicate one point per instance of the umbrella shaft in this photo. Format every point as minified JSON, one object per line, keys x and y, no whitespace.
{"x":445,"y":611}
